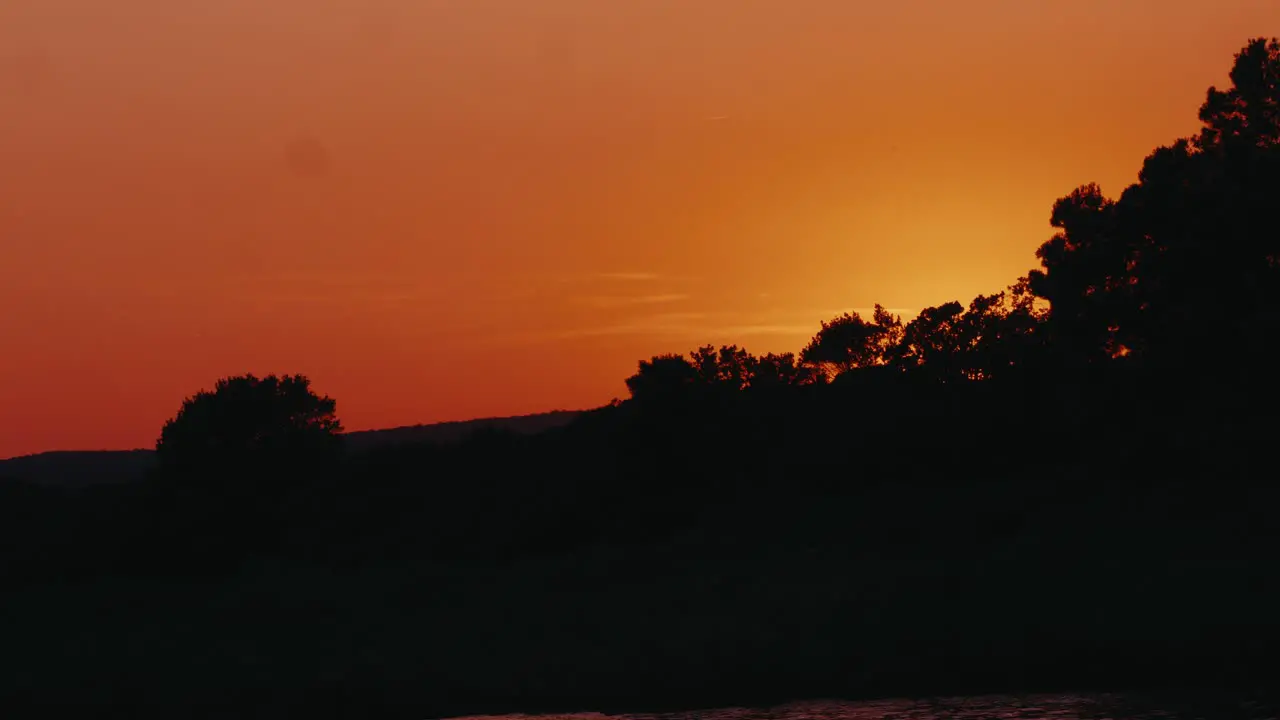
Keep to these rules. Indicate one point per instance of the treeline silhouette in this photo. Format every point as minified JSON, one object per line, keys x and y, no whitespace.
{"x":1065,"y":485}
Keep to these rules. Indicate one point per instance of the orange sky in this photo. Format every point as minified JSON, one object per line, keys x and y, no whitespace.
{"x":442,"y":209}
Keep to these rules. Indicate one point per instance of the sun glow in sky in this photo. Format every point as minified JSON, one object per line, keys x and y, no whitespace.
{"x":444,"y":209}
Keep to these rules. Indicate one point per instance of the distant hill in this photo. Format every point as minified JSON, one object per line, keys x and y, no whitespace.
{"x":79,"y":468}
{"x":450,"y":432}
{"x":84,"y":468}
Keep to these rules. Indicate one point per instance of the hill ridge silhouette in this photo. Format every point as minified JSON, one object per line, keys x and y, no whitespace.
{"x":82,"y":468}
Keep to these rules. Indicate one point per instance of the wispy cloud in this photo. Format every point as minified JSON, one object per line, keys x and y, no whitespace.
{"x":640,"y":276}
{"x":346,"y":297}
{"x":671,"y":324}
{"x":693,"y":325}
{"x":749,"y":330}
{"x":626,"y":301}
{"x":624,"y":277}
{"x":629,"y":276}
{"x":298,"y":288}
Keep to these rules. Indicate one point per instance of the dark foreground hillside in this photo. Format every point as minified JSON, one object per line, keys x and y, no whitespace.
{"x":862,"y":540}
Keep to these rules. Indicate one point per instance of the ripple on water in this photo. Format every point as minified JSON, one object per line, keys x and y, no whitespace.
{"x":995,"y":707}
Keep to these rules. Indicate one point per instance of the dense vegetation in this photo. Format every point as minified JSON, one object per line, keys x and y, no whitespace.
{"x":1069,"y":484}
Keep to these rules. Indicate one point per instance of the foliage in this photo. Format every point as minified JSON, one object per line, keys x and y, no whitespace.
{"x":662,"y":377}
{"x":248,"y":420}
{"x":848,"y":342}
{"x":1149,"y":275}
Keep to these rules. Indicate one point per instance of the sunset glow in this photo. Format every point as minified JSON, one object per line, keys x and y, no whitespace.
{"x":442,"y":210}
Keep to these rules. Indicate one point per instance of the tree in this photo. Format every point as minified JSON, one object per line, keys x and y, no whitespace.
{"x":729,"y":367}
{"x":247,"y":421}
{"x":777,"y":370}
{"x":891,"y":331}
{"x":240,"y":452}
{"x":1148,"y":274}
{"x":848,"y":342}
{"x":932,"y":341}
{"x":661,"y":378}
{"x":1085,"y":272}
{"x":994,"y":334}
{"x":999,"y":332}
{"x":1248,"y":111}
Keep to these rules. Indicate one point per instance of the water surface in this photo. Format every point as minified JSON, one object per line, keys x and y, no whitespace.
{"x":1004,"y":707}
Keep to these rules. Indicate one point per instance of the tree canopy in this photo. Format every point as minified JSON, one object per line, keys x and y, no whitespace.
{"x":848,"y":342}
{"x":1187,"y":254}
{"x":249,"y":419}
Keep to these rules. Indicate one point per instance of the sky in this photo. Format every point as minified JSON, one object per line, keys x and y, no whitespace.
{"x":446,"y":209}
